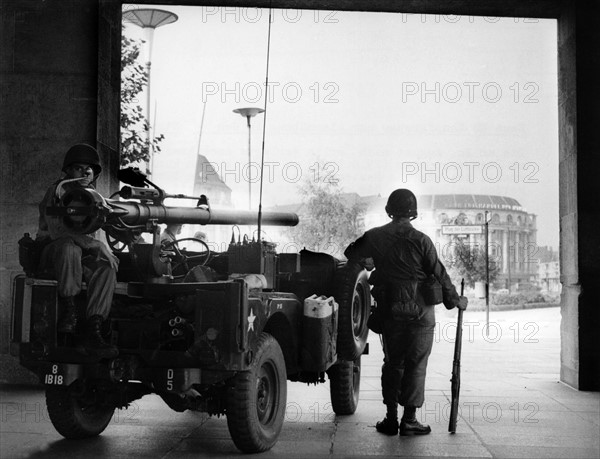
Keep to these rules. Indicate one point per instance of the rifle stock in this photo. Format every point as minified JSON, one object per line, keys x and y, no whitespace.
{"x":456,"y":368}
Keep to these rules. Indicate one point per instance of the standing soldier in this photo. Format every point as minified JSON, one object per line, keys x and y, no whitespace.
{"x":71,"y":257}
{"x":404,"y":259}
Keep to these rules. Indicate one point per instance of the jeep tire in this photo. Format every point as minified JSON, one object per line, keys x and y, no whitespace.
{"x":72,"y":417}
{"x":353,"y":295}
{"x":256,"y":399}
{"x":344,"y":386}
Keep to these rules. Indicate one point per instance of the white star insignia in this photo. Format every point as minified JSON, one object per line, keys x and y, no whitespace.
{"x":251,"y":319}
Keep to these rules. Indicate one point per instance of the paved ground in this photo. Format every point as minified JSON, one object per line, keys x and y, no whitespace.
{"x":512,"y":406}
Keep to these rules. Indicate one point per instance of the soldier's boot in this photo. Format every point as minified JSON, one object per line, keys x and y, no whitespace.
{"x":94,"y":341}
{"x":389,"y":425}
{"x":68,"y":322}
{"x":413,"y":427}
{"x":409,"y":424}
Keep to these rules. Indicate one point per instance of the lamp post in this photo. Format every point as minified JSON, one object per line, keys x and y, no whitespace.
{"x":248,"y":113}
{"x":487,"y":274}
{"x":149,"y":19}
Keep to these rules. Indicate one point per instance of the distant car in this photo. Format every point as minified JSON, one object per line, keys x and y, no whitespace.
{"x":502,"y":291}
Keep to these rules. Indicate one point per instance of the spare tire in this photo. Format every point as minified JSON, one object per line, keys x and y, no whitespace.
{"x":353,"y":295}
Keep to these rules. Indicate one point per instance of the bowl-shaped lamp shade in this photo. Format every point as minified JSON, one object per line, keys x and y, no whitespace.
{"x":250,"y":111}
{"x":149,"y":17}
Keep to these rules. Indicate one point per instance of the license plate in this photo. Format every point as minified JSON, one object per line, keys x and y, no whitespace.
{"x":54,"y":377}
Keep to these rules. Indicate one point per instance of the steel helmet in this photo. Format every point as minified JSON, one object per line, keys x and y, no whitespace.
{"x":402,"y":203}
{"x":85,"y":154}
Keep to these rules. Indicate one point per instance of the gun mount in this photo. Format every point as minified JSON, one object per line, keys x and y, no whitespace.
{"x":207,"y":331}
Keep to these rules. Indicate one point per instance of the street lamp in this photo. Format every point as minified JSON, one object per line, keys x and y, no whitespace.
{"x":149,"y":19}
{"x":248,"y":113}
{"x":487,"y":274}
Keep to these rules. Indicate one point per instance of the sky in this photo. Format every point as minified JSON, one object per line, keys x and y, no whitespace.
{"x":373,"y":101}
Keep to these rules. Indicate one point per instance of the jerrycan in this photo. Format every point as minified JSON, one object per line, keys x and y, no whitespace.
{"x":319,"y":333}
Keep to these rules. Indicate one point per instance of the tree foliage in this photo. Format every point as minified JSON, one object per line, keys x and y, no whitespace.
{"x":330,"y":220}
{"x":468,"y":262}
{"x":133,"y":122}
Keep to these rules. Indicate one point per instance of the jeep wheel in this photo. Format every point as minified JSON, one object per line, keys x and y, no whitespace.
{"x":256,"y":399}
{"x":76,"y":417}
{"x":344,"y":386}
{"x":353,"y":294}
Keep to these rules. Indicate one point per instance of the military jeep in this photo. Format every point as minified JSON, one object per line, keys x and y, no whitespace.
{"x":219,"y":333}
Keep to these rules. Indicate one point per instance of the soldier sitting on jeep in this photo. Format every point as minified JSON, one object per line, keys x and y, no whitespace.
{"x":70,"y":258}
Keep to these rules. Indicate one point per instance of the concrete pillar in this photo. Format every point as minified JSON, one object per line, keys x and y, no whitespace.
{"x":517,"y":254}
{"x":523,"y":248}
{"x":579,"y":163}
{"x":526,"y":253}
{"x":505,"y":251}
{"x":57,"y":85}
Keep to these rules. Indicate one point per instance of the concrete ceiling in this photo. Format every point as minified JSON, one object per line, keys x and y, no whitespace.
{"x":492,"y":8}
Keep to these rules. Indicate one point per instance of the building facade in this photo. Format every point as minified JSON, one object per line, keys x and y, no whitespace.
{"x":450,"y":219}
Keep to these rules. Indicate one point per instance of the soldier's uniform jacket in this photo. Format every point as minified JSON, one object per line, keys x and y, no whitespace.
{"x":400,"y":253}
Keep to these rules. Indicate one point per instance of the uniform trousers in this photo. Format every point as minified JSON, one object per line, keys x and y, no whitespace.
{"x":407,"y":345}
{"x":71,"y":265}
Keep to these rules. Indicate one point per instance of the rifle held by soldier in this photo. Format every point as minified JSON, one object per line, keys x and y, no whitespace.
{"x":456,"y":367}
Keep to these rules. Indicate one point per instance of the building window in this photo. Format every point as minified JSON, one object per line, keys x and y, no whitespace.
{"x":462,"y":219}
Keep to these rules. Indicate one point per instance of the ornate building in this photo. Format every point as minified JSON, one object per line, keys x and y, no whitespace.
{"x":452,"y":218}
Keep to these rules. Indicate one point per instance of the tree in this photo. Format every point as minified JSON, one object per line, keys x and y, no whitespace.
{"x":468,"y":262}
{"x":134,"y":125}
{"x":330,"y":222}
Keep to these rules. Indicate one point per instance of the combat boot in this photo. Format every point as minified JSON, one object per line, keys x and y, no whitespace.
{"x":69,"y":320}
{"x":388,"y":426}
{"x":94,"y":342}
{"x":413,"y":427}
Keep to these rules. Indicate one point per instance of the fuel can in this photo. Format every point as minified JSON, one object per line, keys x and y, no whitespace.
{"x":319,"y":333}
